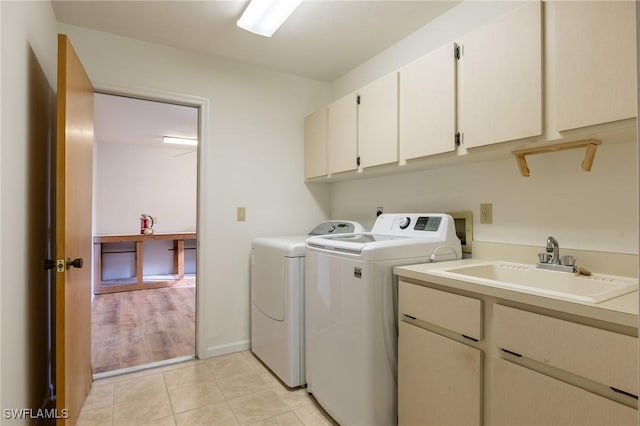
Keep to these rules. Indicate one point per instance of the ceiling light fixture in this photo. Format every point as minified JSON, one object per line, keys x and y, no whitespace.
{"x":264,"y":17}
{"x":180,"y":141}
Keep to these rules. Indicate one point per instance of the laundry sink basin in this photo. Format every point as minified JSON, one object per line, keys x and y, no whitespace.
{"x":595,"y":288}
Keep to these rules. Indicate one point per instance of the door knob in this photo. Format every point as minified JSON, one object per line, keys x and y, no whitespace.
{"x":76,"y":263}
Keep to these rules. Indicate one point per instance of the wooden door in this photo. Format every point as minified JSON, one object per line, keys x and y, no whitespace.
{"x":74,"y":160}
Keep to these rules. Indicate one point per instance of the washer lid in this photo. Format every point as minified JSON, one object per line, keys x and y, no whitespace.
{"x":337,"y":227}
{"x":354,"y":243}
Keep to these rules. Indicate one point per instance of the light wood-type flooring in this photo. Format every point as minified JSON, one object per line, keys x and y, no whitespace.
{"x":133,"y":328}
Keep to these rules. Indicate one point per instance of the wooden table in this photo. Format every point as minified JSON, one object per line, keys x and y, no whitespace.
{"x":138,"y":282}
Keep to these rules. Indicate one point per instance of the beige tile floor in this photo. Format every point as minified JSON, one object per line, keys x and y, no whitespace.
{"x":233,"y":389}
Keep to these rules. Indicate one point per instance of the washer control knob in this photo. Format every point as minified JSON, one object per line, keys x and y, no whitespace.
{"x":404,"y":222}
{"x":332,"y":228}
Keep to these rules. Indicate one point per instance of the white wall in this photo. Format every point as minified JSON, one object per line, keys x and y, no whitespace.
{"x":251,"y":156}
{"x":588,"y":211}
{"x":595,"y":211}
{"x":136,"y":179}
{"x":133,"y":179}
{"x":29,"y":55}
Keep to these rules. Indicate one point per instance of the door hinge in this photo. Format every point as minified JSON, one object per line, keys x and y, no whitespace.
{"x":60,"y":265}
{"x":358,"y":99}
{"x":459,"y":138}
{"x":358,"y":161}
{"x":457,"y":51}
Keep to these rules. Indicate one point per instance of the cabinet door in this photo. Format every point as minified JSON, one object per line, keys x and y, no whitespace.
{"x":343,"y":134}
{"x":427,"y":105}
{"x":520,"y":396}
{"x":315,"y":144}
{"x":439,"y":380}
{"x":501,"y":79}
{"x":378,"y":122}
{"x":595,"y":68}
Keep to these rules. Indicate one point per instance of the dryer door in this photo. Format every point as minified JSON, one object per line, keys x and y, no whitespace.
{"x":268,"y":276}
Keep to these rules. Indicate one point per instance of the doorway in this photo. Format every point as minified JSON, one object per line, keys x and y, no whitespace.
{"x":144,"y":281}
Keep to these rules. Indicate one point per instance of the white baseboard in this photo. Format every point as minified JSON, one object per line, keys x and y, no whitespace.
{"x":225,"y":349}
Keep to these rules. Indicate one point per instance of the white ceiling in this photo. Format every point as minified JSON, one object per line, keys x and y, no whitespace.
{"x":322,"y":39}
{"x":138,"y":122}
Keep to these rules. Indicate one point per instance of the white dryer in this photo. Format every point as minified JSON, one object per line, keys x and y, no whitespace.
{"x":277,"y":300}
{"x":351,"y":336}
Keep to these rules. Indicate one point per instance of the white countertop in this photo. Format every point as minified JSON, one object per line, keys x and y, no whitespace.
{"x":622,"y":310}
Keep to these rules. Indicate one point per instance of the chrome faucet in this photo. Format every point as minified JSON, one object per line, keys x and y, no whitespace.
{"x":554,"y":247}
{"x":555,"y":263}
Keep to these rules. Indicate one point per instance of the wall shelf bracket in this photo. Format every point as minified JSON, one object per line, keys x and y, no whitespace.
{"x":590,"y":144}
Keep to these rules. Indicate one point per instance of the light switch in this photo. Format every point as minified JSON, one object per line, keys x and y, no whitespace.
{"x":241,"y":214}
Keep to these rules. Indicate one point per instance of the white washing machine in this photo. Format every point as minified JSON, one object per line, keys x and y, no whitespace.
{"x":277,"y":300}
{"x":351,"y":329}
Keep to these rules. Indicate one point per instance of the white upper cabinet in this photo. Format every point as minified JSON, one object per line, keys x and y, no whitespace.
{"x":427,"y":116}
{"x":343,"y":134}
{"x":501,"y":79}
{"x":595,"y":72}
{"x":315,"y":144}
{"x":378,"y":122}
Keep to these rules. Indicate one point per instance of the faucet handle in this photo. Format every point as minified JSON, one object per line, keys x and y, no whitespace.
{"x":544,"y":257}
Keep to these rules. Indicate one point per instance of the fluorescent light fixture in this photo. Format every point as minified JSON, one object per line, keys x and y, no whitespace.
{"x":180,"y":141}
{"x":264,"y":17}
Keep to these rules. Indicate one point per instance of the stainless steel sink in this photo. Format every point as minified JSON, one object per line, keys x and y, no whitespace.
{"x":595,"y":288}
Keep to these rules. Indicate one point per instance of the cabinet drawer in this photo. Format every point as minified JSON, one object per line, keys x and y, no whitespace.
{"x":525,"y":397}
{"x":457,"y":313}
{"x":603,"y":356}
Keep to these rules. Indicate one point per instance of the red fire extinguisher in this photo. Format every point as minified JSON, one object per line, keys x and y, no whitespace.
{"x":146,"y":224}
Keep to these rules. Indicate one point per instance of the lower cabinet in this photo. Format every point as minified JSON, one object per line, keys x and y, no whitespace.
{"x":469,"y":359}
{"x":523,"y":397}
{"x":439,"y":380}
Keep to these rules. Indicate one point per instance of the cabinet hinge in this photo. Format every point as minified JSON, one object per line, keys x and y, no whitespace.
{"x":358,"y":161}
{"x":457,"y":51}
{"x":458,"y":138}
{"x":358,"y":99}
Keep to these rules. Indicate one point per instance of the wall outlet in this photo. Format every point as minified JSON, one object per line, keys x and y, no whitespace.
{"x":379,"y":211}
{"x":486,"y":213}
{"x":241,"y":214}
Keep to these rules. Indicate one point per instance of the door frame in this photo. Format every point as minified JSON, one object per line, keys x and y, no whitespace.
{"x":203,"y":125}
